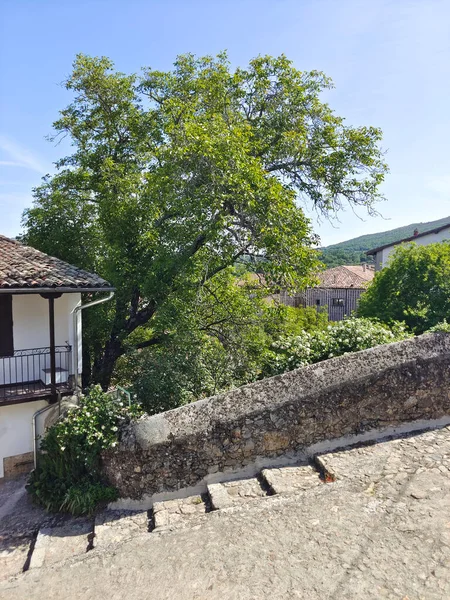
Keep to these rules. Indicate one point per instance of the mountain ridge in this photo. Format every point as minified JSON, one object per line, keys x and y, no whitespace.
{"x":353,"y":251}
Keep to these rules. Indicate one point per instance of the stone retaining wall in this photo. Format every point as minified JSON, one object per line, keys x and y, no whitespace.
{"x":278,"y":419}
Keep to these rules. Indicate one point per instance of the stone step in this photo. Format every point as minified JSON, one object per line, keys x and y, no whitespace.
{"x":233,"y":493}
{"x":112,"y":526}
{"x":60,"y":542}
{"x":175,"y":512}
{"x":285,"y":480}
{"x":14,"y":551}
{"x":363,"y":462}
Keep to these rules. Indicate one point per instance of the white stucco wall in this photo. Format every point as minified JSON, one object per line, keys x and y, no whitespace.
{"x":31,"y":330}
{"x":16,"y":432}
{"x":382,"y":257}
{"x":31,"y":323}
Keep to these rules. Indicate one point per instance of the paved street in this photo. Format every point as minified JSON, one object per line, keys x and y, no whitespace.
{"x":381,"y":529}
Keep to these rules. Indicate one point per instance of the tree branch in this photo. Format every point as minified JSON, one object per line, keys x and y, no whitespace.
{"x":286,"y":166}
{"x":141,"y":317}
{"x":158,"y":339}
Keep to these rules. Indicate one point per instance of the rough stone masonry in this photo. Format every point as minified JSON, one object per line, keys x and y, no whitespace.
{"x":283,"y":418}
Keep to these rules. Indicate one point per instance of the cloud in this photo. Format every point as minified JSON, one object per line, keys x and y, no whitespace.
{"x":17,"y":156}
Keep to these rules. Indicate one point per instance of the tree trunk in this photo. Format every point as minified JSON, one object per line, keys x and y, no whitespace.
{"x":86,"y":376}
{"x":104,"y":366}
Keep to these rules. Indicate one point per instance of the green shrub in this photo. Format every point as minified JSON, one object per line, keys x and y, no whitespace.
{"x":221,"y":346}
{"x":414,"y":287}
{"x":67,"y":478}
{"x":443,"y":326}
{"x":337,"y":339}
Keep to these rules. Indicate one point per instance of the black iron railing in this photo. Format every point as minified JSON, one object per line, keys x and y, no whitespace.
{"x":27,"y":373}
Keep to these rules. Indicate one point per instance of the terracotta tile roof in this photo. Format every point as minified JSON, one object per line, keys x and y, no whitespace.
{"x":351,"y":276}
{"x":23,"y":267}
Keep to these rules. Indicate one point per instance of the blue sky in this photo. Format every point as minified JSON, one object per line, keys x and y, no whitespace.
{"x":389,"y":59}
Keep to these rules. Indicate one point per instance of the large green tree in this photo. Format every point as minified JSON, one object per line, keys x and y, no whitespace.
{"x":414,"y":287}
{"x":177,"y":175}
{"x":218,"y":342}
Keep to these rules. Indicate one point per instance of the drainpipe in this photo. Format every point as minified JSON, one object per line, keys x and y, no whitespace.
{"x":33,"y":424}
{"x":75,"y":313}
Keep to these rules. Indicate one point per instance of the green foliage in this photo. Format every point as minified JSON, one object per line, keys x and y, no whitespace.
{"x":83,"y":497}
{"x":175,"y":373}
{"x":220,"y":342}
{"x":352,"y":252}
{"x":414,"y":287}
{"x":345,"y":336}
{"x":334,"y":257}
{"x":281,"y":320}
{"x":175,"y":176}
{"x":67,"y":478}
{"x":442,"y":326}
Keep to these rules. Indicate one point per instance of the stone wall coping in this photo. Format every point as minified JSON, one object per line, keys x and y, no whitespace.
{"x":272,"y":393}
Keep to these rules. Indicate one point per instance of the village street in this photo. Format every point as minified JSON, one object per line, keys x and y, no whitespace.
{"x":381,"y":530}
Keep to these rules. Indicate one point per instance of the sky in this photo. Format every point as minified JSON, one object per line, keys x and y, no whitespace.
{"x":389,"y":60}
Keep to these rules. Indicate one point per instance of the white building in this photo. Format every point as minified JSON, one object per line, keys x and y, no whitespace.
{"x":382,"y":253}
{"x":40,"y":342}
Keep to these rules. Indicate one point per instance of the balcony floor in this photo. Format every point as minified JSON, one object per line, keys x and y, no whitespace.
{"x":16,"y":393}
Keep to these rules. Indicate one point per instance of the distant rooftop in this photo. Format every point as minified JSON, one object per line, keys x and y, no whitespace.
{"x":23,"y":268}
{"x":411,"y":238}
{"x":349,"y":276}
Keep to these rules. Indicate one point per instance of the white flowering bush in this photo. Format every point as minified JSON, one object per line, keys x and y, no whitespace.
{"x":68,"y":475}
{"x":339,"y":338}
{"x":443,"y":327}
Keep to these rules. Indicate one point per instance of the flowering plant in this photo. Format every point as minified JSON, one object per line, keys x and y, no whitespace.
{"x":339,"y":338}
{"x":68,"y":473}
{"x":442,"y":326}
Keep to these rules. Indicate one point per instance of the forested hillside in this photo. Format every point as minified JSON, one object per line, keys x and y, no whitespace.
{"x":352,"y":252}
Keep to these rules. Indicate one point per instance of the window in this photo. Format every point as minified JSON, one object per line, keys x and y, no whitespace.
{"x":338,"y":301}
{"x":6,"y":325}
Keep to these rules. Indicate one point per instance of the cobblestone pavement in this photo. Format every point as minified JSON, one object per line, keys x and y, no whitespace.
{"x":19,"y":524}
{"x":380,"y":529}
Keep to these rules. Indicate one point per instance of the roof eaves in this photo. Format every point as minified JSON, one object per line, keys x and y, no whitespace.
{"x":48,"y":290}
{"x":408,"y":239}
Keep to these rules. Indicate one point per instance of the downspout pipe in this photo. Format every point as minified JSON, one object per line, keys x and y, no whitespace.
{"x":33,"y":422}
{"x":76,"y":311}
{"x":33,"y":425}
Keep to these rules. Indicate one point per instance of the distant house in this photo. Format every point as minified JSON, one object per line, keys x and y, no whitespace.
{"x":40,"y":341}
{"x":382,"y":253}
{"x":339,"y":290}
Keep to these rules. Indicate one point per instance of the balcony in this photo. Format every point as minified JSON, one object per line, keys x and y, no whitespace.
{"x":26,"y":375}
